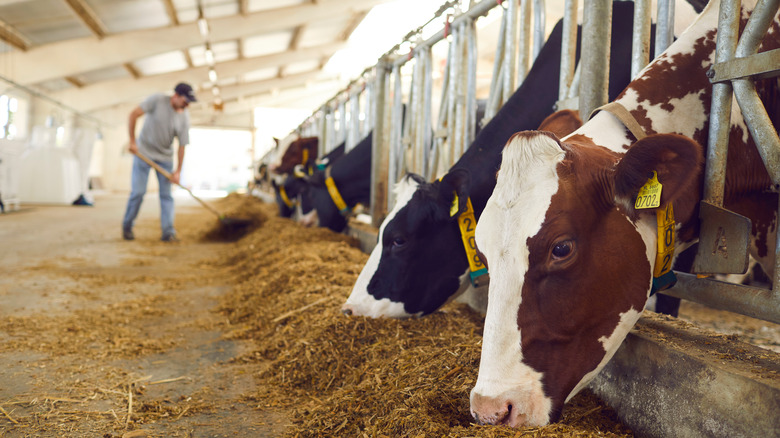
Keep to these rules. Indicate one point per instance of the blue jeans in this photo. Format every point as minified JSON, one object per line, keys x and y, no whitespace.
{"x":140,"y":177}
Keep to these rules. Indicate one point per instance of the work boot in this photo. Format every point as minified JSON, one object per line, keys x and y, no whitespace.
{"x":127,"y":234}
{"x":170,"y":238}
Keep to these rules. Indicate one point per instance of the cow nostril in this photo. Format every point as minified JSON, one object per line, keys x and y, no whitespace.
{"x":347,"y":311}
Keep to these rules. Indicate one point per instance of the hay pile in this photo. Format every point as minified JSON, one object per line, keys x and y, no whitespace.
{"x":353,"y":376}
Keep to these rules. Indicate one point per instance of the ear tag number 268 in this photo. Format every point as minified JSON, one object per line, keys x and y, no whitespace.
{"x":650,"y":194}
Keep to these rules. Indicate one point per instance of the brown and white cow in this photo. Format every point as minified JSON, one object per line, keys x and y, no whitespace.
{"x":571,"y":260}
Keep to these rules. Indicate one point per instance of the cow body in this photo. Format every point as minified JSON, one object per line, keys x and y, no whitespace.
{"x":419,"y":261}
{"x":571,"y":258}
{"x":352,"y":177}
{"x":294,"y":184}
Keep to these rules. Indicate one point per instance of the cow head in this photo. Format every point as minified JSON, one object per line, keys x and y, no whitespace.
{"x":300,"y":151}
{"x":571,"y":264}
{"x":419,"y":258}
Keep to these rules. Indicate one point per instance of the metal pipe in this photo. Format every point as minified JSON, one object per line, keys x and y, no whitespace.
{"x":664,"y":27}
{"x":474,"y":12}
{"x":596,"y":41}
{"x":379,"y":90}
{"x":471,"y":84}
{"x":745,"y":300}
{"x":396,"y":130}
{"x":539,"y":27}
{"x":427,"y":115}
{"x":640,"y":42}
{"x":760,"y":126}
{"x":494,"y":97}
{"x":509,"y":53}
{"x":524,"y":40}
{"x":720,"y":109}
{"x":756,"y":27}
{"x":568,"y":48}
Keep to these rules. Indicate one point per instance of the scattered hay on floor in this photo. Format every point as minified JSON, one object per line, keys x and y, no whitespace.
{"x":241,"y":214}
{"x":356,"y":376}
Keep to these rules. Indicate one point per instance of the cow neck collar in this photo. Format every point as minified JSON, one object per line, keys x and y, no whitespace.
{"x":626,"y":118}
{"x":467,"y":224}
{"x":663,"y":276}
{"x":286,"y":199}
{"x":330,"y":184}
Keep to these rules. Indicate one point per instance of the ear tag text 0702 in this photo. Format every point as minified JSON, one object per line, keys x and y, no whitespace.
{"x":650,"y":194}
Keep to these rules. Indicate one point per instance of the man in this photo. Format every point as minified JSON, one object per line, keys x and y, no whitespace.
{"x":166,"y":117}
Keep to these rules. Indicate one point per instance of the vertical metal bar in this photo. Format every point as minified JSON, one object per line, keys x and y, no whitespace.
{"x":510,"y":51}
{"x":720,"y":109}
{"x":370,"y":110}
{"x":379,"y":160}
{"x":596,"y":37}
{"x":342,"y":125}
{"x":568,"y":48}
{"x":460,"y":94}
{"x":418,"y":113}
{"x":471,"y":84}
{"x":428,"y":103}
{"x":640,"y":43}
{"x":664,"y":28}
{"x":452,"y":61}
{"x":396,"y":134}
{"x":539,"y":26}
{"x":524,"y":40}
{"x":494,"y":97}
{"x":354,"y":117}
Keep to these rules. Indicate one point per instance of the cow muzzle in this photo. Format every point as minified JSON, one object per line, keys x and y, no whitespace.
{"x":517,"y":408}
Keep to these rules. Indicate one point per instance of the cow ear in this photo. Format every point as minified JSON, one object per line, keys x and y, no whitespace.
{"x":561,"y":123}
{"x":456,"y":181}
{"x":677,"y":160}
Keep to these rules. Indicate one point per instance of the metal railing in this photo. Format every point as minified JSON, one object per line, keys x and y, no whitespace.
{"x":418,"y":146}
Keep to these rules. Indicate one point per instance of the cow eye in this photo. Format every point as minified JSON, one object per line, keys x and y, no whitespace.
{"x":399,"y":242}
{"x":562,"y":249}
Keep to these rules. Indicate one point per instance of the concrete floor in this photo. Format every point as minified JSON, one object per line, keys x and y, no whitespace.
{"x":64,"y":266}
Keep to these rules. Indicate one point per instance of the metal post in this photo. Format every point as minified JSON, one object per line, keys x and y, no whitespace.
{"x":539,"y":26}
{"x":379,"y":159}
{"x":509,"y":52}
{"x":640,"y":43}
{"x":664,"y":28}
{"x":596,"y":37}
{"x":568,"y":49}
{"x":524,"y":40}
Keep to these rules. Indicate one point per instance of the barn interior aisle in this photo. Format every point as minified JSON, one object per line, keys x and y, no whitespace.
{"x":100,"y":337}
{"x":202,"y":338}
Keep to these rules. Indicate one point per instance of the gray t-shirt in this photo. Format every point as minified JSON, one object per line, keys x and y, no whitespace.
{"x":161,"y":124}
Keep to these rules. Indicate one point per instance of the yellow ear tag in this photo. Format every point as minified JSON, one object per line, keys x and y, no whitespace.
{"x":454,"y":206}
{"x":650,"y":194}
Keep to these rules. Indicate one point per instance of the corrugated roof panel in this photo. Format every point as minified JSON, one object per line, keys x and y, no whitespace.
{"x":163,"y":63}
{"x":315,"y":33}
{"x":122,"y":16}
{"x":44,"y":21}
{"x":266,"y":44}
{"x":263,"y":5}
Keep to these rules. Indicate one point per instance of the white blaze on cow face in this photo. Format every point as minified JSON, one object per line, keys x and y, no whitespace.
{"x":360,"y":302}
{"x":507,"y":390}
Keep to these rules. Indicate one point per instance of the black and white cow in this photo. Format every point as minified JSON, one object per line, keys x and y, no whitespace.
{"x":288,"y":187}
{"x":351,"y":176}
{"x":419,"y":261}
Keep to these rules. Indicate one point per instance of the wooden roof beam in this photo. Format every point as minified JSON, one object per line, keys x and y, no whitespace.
{"x":88,"y":16}
{"x":13,"y":37}
{"x":55,"y":60}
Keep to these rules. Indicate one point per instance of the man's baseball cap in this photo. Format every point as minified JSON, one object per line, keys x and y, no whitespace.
{"x":184,"y":89}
